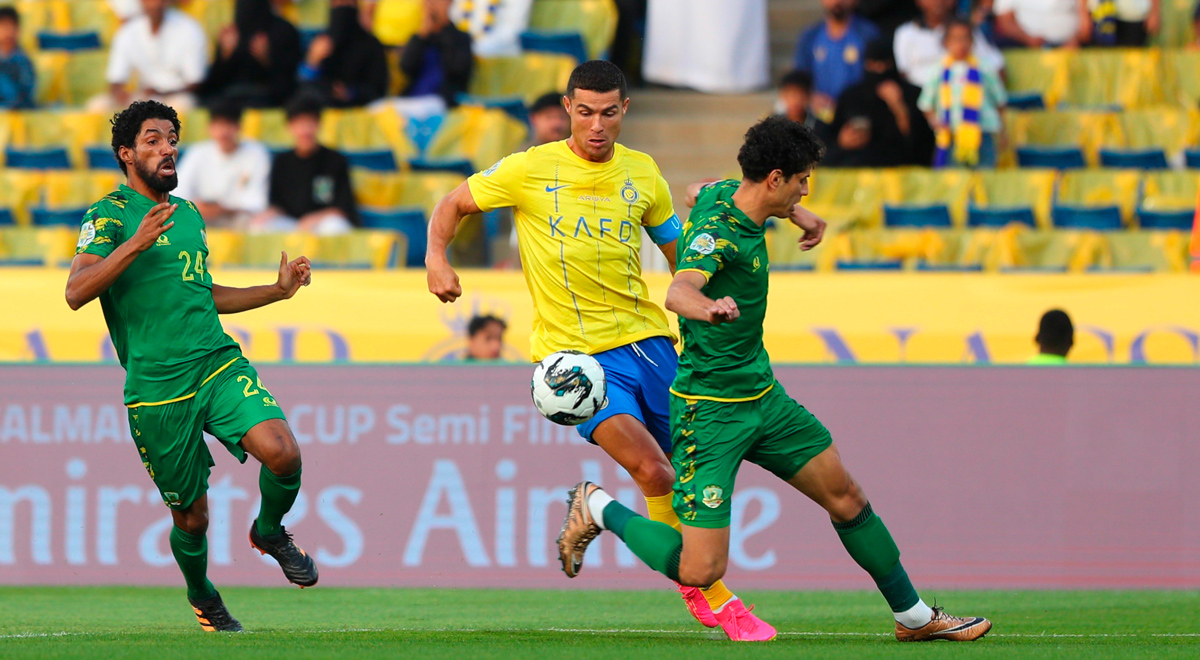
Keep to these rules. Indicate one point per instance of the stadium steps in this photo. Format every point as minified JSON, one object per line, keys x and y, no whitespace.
{"x":786,"y":18}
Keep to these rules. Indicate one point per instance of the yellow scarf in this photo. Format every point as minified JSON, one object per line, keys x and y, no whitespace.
{"x":966,"y":137}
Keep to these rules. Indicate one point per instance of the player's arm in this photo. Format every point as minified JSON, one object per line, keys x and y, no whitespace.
{"x":443,"y":225}
{"x":686,"y":298}
{"x":693,"y":191}
{"x":669,"y":251}
{"x":92,"y":274}
{"x":292,"y":275}
{"x":813,"y":226}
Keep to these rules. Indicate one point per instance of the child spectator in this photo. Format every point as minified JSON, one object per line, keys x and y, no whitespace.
{"x":16,"y":71}
{"x":964,"y":102}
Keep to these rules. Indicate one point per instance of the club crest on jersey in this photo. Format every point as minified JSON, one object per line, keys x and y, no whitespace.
{"x":713,"y":497}
{"x":162,"y":240}
{"x":629,"y":193}
{"x":87,"y":234}
{"x":704,"y":244}
{"x":488,"y":171}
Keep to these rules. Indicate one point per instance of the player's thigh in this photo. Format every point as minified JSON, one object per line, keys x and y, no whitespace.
{"x":710,"y":440}
{"x":826,"y":481}
{"x":625,"y":438}
{"x":791,"y":435}
{"x":658,"y":368}
{"x":243,"y":414}
{"x":705,"y":555}
{"x":170,"y":442}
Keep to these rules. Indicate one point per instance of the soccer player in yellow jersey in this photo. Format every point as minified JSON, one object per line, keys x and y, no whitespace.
{"x":580,"y":207}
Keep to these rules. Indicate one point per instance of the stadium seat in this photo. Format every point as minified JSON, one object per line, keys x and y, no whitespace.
{"x":565,"y":43}
{"x":1000,"y":217}
{"x":413,"y":189}
{"x":894,"y":264}
{"x":527,"y":76}
{"x":408,"y":221}
{"x":1114,"y":78}
{"x":1026,"y":101}
{"x":920,"y":188}
{"x":1106,"y":218}
{"x":1083,"y":130}
{"x":1170,"y":191}
{"x":594,"y":20}
{"x":1138,"y":159}
{"x":37,"y":159}
{"x":1037,"y":72}
{"x":451,"y":165}
{"x":1052,"y":251}
{"x":1062,"y":158}
{"x":1181,"y":219}
{"x":1006,"y":191}
{"x":6,"y":218}
{"x":83,"y":76}
{"x":36,"y":246}
{"x":949,"y":268}
{"x":1192,"y":158}
{"x":41,"y":16}
{"x":1141,"y":251}
{"x":93,"y":16}
{"x":1182,"y":83}
{"x":1175,"y":24}
{"x":514,"y":106}
{"x":926,"y":215}
{"x":268,"y":126}
{"x":1166,"y":128}
{"x":262,"y":250}
{"x":844,"y":197}
{"x":1099,"y":188}
{"x":71,"y":217}
{"x":481,"y":136}
{"x":73,"y":189}
{"x":362,"y":248}
{"x":225,"y":247}
{"x":379,"y":160}
{"x":100,"y":157}
{"x":68,"y":41}
{"x":19,"y":190}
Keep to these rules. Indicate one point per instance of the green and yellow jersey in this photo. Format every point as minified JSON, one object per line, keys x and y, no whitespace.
{"x":160,"y":312}
{"x":725,"y":362}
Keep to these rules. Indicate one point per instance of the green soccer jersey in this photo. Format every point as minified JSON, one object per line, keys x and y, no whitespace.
{"x":725,"y":362}
{"x":160,"y":311}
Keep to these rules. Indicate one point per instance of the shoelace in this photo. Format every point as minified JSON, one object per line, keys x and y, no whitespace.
{"x":939,"y":614}
{"x":288,"y":547}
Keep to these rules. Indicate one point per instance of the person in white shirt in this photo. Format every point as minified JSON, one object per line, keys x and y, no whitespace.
{"x":226,"y":177}
{"x":1041,"y":23}
{"x":918,"y":44}
{"x":1124,"y":23}
{"x":495,"y":26}
{"x":165,"y":49}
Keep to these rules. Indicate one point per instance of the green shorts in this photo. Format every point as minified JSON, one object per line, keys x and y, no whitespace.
{"x":170,"y":436}
{"x":710,"y":439}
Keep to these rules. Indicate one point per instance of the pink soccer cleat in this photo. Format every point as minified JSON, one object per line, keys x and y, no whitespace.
{"x":742,"y":626}
{"x":698,"y":605}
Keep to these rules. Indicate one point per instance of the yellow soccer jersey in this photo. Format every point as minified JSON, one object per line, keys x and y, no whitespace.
{"x":579,"y":233}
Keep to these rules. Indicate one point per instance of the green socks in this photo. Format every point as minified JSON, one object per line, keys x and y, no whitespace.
{"x":871,"y":546}
{"x":191,"y":553}
{"x":278,"y":495}
{"x":658,"y":544}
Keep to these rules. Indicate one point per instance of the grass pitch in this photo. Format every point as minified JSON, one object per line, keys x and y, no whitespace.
{"x":123,"y":622}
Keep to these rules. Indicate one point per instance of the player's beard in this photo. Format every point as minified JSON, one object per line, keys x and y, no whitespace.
{"x":160,"y":184}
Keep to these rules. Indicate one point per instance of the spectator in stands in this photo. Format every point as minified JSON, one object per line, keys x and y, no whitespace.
{"x":256,"y":58}
{"x":964,"y":102}
{"x":1055,"y":337}
{"x":1124,"y":23}
{"x":437,"y":60}
{"x":17,"y":77}
{"x":126,"y":9}
{"x":485,"y":339}
{"x":310,"y":185}
{"x":888,"y":15}
{"x":495,"y":26}
{"x":795,"y":103}
{"x":877,"y":122}
{"x":1042,"y":23}
{"x":226,"y":177}
{"x":831,"y":51}
{"x":548,"y":120}
{"x":165,"y":50}
{"x":919,"y":49}
{"x":346,"y":66}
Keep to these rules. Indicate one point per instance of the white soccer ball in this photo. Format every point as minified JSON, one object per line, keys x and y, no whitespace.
{"x":569,"y":388}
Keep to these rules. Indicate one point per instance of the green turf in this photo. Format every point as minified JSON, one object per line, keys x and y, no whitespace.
{"x":117,"y":622}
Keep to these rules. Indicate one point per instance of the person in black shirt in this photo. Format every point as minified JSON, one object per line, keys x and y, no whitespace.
{"x":256,"y":59}
{"x":346,"y":66}
{"x":877,"y":123}
{"x":310,"y":185}
{"x":438,"y":60}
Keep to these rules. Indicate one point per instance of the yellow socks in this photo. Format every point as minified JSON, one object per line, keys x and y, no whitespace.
{"x":660,"y":510}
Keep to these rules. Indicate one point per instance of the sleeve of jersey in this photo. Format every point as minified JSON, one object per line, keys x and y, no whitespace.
{"x":707,"y":251}
{"x":100,"y":233}
{"x":499,"y":186}
{"x":660,"y":220}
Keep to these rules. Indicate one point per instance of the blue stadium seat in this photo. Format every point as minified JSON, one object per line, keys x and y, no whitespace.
{"x":870,"y":265}
{"x":408,"y":221}
{"x":1026,"y":101}
{"x":932,"y":215}
{"x":1166,"y":219}
{"x":457,"y":165}
{"x":100,"y":157}
{"x":6,"y":218}
{"x":378,"y":160}
{"x":513,"y":105}
{"x":68,"y":41}
{"x":1192,"y":156}
{"x":1062,"y":158}
{"x":53,"y":158}
{"x":422,"y":129}
{"x":566,"y":43}
{"x":1000,"y":216}
{"x":927,"y":267}
{"x":1136,"y":159}
{"x":1106,"y":218}
{"x":51,"y":217}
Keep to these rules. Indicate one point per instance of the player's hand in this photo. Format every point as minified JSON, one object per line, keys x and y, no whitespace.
{"x":813,"y":226}
{"x":155,"y":223}
{"x":723,"y":310}
{"x":693,"y":191}
{"x":293,"y":275}
{"x":443,"y":282}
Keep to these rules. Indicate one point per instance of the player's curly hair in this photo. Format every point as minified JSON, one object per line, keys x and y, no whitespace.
{"x":778,"y":143}
{"x":128,"y":123}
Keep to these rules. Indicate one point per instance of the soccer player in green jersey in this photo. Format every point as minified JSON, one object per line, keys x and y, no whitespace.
{"x":727,"y":407}
{"x":143,"y":253}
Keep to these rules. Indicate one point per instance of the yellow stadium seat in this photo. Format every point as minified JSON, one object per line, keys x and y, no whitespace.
{"x":77,"y":188}
{"x":362,"y":248}
{"x":1176,"y":28}
{"x":1031,"y":188}
{"x":51,"y":246}
{"x":1038,"y":70}
{"x":527,"y":76}
{"x":267,"y":126}
{"x":1164,"y":127}
{"x":73,"y":129}
{"x":93,"y":16}
{"x":41,"y":16}
{"x":1073,"y":251}
{"x":1170,"y":191}
{"x":50,"y":68}
{"x":83,"y":76}
{"x":212,"y":14}
{"x":481,"y":135}
{"x":225,"y":247}
{"x":1157,"y":251}
{"x":9,"y":127}
{"x":18,"y":191}
{"x":1125,"y":77}
{"x":262,"y":250}
{"x":1047,"y":128}
{"x":923,"y":186}
{"x":846,"y":197}
{"x":595,"y":20}
{"x":784,"y":251}
{"x":421,"y":190}
{"x":356,"y":129}
{"x":1101,"y":187}
{"x":193,"y":126}
{"x":1182,"y":83}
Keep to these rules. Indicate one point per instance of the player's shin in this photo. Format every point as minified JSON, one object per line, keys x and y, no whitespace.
{"x":655,"y":543}
{"x":661,"y":510}
{"x":278,"y":495}
{"x":870,"y":544}
{"x":191,"y":553}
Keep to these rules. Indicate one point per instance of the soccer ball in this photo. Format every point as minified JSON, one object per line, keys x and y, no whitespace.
{"x":568,"y":388}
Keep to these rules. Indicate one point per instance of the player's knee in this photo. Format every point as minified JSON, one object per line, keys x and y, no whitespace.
{"x":848,"y":501}
{"x":702,"y":573}
{"x":286,"y":459}
{"x":654,"y":476}
{"x":194,"y":522}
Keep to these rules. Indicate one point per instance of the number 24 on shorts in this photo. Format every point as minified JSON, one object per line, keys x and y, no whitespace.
{"x":249,"y":390}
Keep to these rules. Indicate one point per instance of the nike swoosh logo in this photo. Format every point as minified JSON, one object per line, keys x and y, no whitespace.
{"x":550,"y":190}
